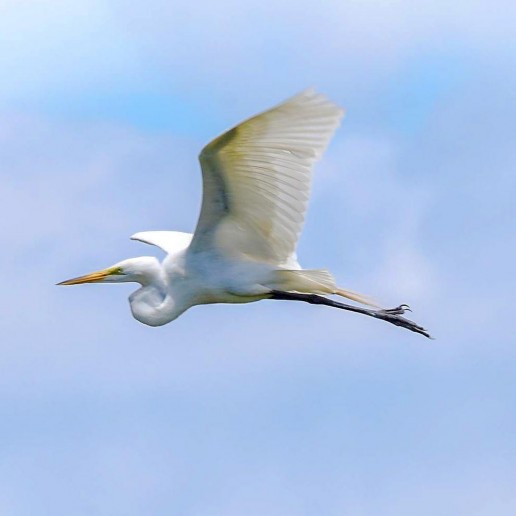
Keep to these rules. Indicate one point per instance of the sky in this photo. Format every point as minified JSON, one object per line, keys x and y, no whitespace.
{"x":261,"y":409}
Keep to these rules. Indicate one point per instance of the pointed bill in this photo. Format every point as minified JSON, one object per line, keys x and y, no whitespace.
{"x":93,"y":277}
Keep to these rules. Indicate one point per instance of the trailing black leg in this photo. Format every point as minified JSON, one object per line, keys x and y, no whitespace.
{"x":392,"y":316}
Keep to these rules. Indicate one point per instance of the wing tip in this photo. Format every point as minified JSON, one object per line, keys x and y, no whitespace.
{"x":312,"y":95}
{"x":136,"y":236}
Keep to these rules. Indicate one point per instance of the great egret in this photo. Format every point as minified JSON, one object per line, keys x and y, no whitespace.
{"x":256,"y":184}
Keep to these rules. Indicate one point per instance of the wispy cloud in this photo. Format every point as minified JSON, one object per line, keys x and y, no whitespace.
{"x":266,"y":408}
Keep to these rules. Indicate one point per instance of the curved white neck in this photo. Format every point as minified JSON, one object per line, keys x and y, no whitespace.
{"x":152,"y":306}
{"x":155,"y":303}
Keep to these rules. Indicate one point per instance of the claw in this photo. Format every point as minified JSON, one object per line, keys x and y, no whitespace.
{"x":394,"y":317}
{"x":399,"y":310}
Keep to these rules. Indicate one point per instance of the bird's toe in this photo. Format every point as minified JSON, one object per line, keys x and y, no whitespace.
{"x":399,"y":310}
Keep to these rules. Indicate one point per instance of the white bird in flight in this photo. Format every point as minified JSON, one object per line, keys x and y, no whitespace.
{"x":256,"y":185}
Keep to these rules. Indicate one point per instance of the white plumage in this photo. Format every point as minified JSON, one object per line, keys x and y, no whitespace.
{"x":256,"y":186}
{"x":257,"y":178}
{"x":169,"y":241}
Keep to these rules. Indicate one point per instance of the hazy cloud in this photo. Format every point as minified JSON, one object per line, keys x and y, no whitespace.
{"x":266,"y":408}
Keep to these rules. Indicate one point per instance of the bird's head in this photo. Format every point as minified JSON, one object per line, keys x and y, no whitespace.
{"x":143,"y":270}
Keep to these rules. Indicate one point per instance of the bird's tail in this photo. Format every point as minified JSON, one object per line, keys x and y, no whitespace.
{"x":315,"y":281}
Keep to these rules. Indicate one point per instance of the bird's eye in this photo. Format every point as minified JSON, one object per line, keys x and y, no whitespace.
{"x":118,"y":270}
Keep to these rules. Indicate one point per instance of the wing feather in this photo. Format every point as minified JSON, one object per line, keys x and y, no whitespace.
{"x":170,"y":241}
{"x":257,"y":178}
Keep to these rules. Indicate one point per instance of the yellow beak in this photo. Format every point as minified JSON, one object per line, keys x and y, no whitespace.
{"x":93,"y":277}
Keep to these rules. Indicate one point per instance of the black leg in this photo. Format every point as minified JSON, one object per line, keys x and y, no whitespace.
{"x":393,"y":316}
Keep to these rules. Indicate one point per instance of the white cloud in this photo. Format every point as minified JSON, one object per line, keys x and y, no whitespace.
{"x":307,"y":407}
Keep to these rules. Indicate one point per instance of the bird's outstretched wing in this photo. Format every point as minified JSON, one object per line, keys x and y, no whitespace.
{"x":257,"y":176}
{"x":170,"y":241}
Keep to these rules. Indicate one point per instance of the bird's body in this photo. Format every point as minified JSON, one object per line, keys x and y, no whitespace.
{"x":185,"y":279}
{"x":256,"y":186}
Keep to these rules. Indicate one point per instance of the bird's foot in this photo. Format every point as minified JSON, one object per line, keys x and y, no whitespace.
{"x":399,"y":310}
{"x":393,"y":316}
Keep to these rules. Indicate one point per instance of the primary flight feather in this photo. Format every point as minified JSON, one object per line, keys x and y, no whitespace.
{"x":256,"y":187}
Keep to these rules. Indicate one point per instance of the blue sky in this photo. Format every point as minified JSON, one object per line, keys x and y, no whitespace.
{"x":265,"y":409}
